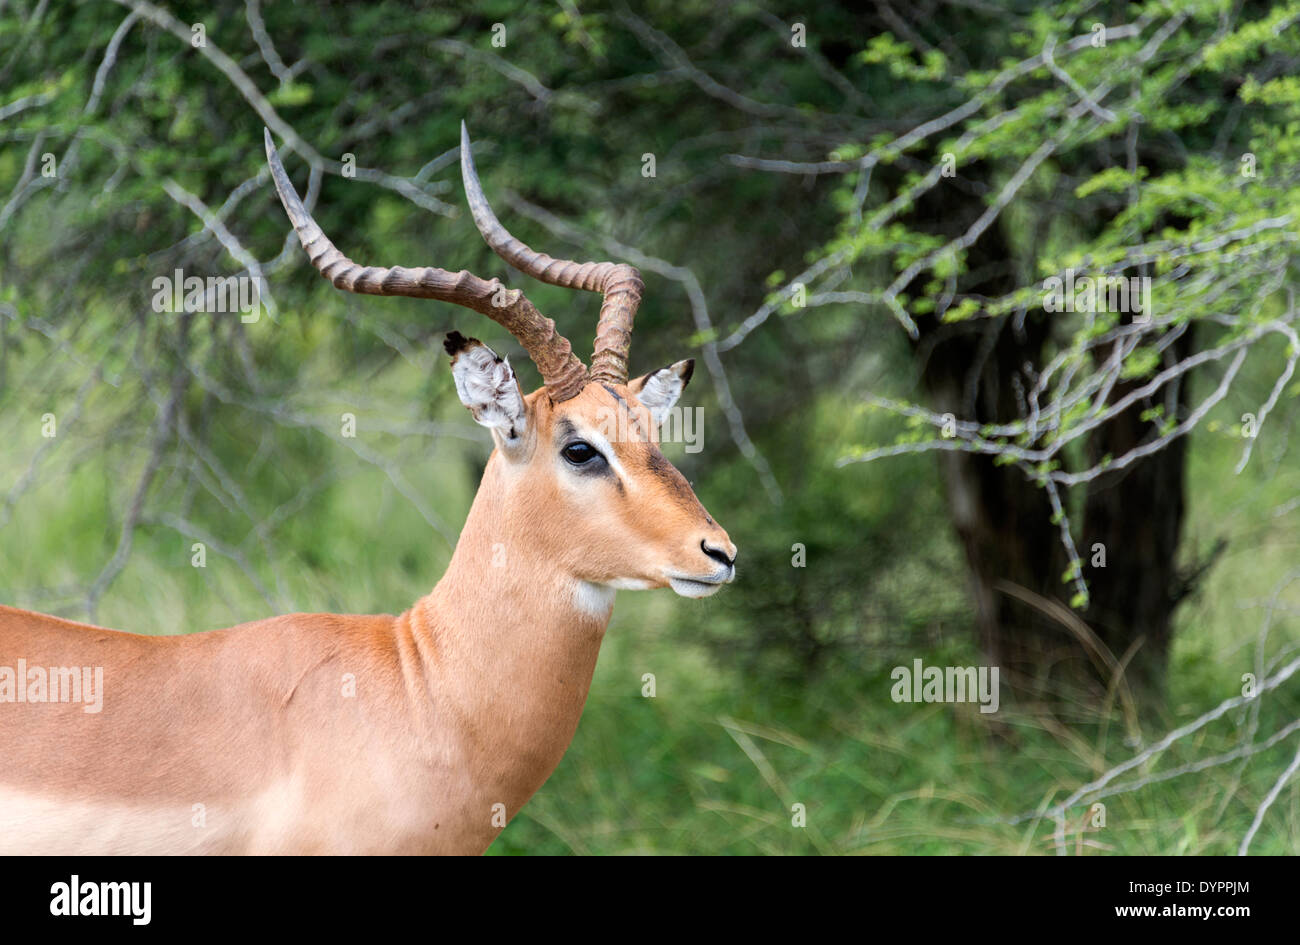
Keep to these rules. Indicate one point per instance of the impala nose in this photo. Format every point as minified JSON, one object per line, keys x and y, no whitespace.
{"x":719,"y":554}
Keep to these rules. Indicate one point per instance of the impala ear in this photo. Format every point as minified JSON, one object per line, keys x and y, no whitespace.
{"x":659,"y":390}
{"x":487,"y":386}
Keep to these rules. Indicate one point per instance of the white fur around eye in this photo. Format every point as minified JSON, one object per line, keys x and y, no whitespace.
{"x":487,"y":386}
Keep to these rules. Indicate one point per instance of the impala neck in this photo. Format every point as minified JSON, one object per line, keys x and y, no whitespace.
{"x":507,"y":643}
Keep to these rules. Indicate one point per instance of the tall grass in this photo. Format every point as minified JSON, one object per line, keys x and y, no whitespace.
{"x":718,"y":760}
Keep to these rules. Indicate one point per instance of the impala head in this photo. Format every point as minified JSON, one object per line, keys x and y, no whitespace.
{"x":577,"y":462}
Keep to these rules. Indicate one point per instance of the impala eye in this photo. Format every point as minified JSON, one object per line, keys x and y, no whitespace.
{"x":580,"y":453}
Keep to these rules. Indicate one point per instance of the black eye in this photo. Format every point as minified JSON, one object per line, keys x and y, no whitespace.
{"x":580,"y":453}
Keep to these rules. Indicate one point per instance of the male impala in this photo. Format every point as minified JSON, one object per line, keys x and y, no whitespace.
{"x":422,"y":733}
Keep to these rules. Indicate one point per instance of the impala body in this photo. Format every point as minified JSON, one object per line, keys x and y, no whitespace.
{"x":420,"y":733}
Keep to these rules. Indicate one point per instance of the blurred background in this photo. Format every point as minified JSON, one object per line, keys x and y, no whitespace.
{"x":848,"y":215}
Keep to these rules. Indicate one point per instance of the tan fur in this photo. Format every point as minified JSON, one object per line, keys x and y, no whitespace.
{"x":242,"y":740}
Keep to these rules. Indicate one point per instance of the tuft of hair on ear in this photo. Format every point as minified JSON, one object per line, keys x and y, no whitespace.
{"x":455,"y":343}
{"x":685,"y":374}
{"x":688,"y":372}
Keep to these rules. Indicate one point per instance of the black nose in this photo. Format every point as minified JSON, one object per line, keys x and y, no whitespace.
{"x":717,"y":554}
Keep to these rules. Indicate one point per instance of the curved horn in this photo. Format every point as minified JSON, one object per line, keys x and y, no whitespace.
{"x":561,"y":370}
{"x":620,"y":283}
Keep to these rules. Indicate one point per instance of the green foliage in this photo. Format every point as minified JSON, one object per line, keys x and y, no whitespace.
{"x":791,"y":665}
{"x":1208,"y":228}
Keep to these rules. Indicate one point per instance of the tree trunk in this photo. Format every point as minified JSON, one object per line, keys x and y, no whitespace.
{"x":1135,"y":515}
{"x":1016,"y":560}
{"x":1003,"y":521}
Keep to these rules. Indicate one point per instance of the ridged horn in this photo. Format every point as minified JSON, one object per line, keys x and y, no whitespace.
{"x":562,"y":372}
{"x":620,"y":284}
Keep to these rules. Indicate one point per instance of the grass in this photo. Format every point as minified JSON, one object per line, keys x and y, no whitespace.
{"x":720,"y":758}
{"x":715,"y":762}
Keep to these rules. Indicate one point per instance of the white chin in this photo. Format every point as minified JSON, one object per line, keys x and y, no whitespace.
{"x":693,"y":588}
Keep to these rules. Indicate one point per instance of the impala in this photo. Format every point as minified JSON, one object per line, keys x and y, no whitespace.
{"x":421,"y":733}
